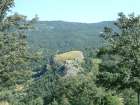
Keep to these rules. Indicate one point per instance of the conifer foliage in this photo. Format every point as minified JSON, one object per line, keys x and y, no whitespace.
{"x":120,"y":68}
{"x":15,"y":58}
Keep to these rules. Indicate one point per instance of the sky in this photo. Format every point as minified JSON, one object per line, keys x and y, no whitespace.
{"x":85,"y":11}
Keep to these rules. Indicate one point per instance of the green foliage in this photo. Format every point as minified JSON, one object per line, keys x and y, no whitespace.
{"x":121,"y":63}
{"x":130,"y":97}
{"x":59,"y":36}
{"x":113,"y":100}
{"x":54,"y":103}
{"x":15,"y":57}
{"x":5,"y":6}
{"x":37,"y":101}
{"x":77,"y":90}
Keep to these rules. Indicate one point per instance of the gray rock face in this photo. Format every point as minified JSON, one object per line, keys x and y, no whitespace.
{"x":70,"y":62}
{"x":72,"y":68}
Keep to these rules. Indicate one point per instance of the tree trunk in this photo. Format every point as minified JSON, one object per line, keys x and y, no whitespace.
{"x":138,"y":98}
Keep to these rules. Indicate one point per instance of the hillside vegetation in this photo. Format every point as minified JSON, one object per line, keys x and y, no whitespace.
{"x":63,"y":36}
{"x":81,"y":69}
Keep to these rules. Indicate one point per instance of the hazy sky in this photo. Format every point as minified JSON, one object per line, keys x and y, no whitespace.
{"x":76,"y":10}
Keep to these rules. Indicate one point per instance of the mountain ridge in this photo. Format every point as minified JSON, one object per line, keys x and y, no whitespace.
{"x":64,"y":36}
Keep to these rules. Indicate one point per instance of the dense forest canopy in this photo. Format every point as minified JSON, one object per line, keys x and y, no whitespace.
{"x":103,"y":67}
{"x":63,"y":36}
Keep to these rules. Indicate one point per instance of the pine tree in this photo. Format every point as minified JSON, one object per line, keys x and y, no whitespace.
{"x":15,"y":58}
{"x":120,"y":68}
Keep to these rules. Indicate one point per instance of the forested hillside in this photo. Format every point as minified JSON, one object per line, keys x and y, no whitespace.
{"x":64,"y":36}
{"x":90,"y":64}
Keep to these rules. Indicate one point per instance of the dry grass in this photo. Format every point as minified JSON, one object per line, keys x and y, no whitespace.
{"x":4,"y":103}
{"x":19,"y":88}
{"x":72,"y":55}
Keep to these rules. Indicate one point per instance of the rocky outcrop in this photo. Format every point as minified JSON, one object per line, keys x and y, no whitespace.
{"x":72,"y":67}
{"x":70,"y":62}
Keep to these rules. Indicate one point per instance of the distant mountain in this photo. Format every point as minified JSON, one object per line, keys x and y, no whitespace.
{"x":63,"y":36}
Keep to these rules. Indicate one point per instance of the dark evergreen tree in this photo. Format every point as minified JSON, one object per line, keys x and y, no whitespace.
{"x":15,"y":57}
{"x":120,"y":66}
